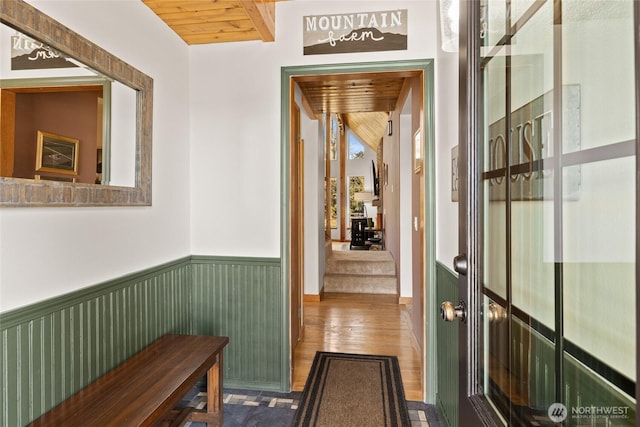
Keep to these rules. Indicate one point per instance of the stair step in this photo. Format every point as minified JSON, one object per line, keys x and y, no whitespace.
{"x":360,"y":283}
{"x":370,"y":272}
{"x":361,"y":267}
{"x":378,"y":263}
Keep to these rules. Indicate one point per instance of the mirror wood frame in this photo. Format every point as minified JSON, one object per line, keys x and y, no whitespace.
{"x":24,"y":192}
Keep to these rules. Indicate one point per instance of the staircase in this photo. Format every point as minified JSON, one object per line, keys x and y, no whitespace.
{"x":362,"y":272}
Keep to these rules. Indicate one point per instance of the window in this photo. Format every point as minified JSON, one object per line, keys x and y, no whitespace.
{"x":356,"y":148}
{"x":335,"y":134}
{"x":356,"y":185}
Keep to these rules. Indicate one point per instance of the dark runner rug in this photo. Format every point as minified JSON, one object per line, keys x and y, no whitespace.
{"x":353,"y":390}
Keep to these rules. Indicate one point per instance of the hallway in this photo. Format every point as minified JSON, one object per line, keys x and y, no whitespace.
{"x":364,"y":323}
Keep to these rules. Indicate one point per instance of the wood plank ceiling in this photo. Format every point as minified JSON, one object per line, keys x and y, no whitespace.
{"x":217,"y":21}
{"x":364,"y":100}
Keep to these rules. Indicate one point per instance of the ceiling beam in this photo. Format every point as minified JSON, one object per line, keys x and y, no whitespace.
{"x":263,"y":16}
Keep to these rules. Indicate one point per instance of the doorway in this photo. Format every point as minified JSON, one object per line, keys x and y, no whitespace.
{"x":315,"y":242}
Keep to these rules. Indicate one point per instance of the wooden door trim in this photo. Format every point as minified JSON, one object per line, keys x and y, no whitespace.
{"x":301,"y":236}
{"x":295,"y":215}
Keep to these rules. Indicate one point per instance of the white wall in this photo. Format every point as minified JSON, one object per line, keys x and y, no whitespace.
{"x":406,"y":219}
{"x":312,"y":132}
{"x":446,"y":113}
{"x":46,"y":252}
{"x":216,"y":149}
{"x":235,"y":126}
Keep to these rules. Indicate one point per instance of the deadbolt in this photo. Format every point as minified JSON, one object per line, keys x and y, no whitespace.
{"x":460,"y":264}
{"x":450,"y":312}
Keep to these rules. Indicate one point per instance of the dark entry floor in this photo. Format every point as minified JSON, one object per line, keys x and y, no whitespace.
{"x":245,"y":408}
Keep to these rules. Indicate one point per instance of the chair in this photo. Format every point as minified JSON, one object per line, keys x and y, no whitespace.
{"x":358,"y":235}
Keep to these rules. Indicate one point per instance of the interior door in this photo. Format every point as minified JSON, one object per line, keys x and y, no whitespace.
{"x":548,"y":218}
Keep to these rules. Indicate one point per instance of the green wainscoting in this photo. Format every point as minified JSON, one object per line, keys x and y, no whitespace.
{"x":51,"y":349}
{"x":241,"y":299}
{"x":447,"y":352}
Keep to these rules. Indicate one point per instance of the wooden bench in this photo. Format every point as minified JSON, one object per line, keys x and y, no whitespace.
{"x":145,"y":389}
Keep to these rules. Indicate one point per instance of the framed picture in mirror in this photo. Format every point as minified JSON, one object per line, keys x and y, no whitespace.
{"x":56,"y":153}
{"x":55,"y":178}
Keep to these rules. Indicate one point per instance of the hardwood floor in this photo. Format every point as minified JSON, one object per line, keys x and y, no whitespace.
{"x":358,"y":323}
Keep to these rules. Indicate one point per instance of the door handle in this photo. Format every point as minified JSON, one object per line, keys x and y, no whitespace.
{"x":460,"y":264}
{"x":450,"y":312}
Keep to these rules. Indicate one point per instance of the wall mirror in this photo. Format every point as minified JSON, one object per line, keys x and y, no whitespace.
{"x":75,"y":121}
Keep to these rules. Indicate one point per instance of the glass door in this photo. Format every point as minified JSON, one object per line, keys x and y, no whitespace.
{"x":557,"y":216}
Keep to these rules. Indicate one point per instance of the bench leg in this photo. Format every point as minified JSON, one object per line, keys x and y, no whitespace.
{"x":214,"y":387}
{"x":215,"y":404}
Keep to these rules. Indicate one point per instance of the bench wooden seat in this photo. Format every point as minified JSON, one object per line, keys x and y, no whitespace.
{"x":143,"y":390}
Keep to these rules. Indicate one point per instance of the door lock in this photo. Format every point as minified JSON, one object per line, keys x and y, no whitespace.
{"x":450,"y":312}
{"x":460,"y":264}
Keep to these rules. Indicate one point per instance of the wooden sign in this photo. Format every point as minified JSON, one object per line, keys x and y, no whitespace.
{"x":355,"y":32}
